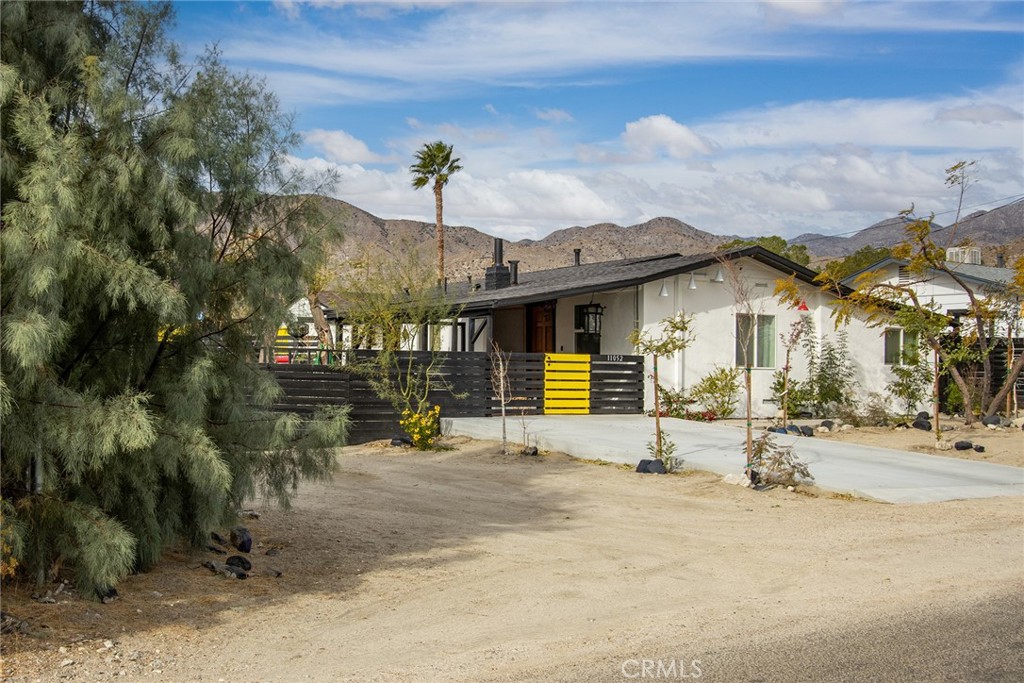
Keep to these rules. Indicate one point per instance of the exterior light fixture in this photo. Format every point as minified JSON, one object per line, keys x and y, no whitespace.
{"x":719,"y":276}
{"x":664,"y":289}
{"x":590,"y":318}
{"x":802,"y":306}
{"x":693,"y":282}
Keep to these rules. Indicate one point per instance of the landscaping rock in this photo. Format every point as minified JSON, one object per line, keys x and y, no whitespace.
{"x":846,"y":428}
{"x":217,"y":538}
{"x":806,"y":431}
{"x":648,"y":466}
{"x":963,"y":445}
{"x":401,"y":441}
{"x":991,"y":420}
{"x":923,"y":416}
{"x":778,"y":430}
{"x":944,"y":446}
{"x":923,"y":425}
{"x":736,"y":479}
{"x":239,"y":561}
{"x":821,"y":429}
{"x":978,"y":448}
{"x":225,"y":570}
{"x":529,"y":450}
{"x":827,"y":424}
{"x":793,"y":429}
{"x":241,"y":539}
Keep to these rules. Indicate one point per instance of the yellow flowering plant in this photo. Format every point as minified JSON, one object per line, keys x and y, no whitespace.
{"x":423,"y":428}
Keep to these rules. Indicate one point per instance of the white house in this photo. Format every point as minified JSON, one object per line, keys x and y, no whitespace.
{"x":591,"y":308}
{"x":949,"y":298}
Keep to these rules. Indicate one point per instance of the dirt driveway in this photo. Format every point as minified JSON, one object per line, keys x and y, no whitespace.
{"x":470,"y":565}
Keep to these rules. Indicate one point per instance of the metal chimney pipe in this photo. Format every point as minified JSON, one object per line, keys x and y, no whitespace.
{"x":1000,"y":260}
{"x":576,"y":256}
{"x":514,"y":267}
{"x":499,"y":251}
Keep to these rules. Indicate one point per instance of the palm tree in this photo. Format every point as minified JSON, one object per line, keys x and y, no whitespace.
{"x":435,"y":163}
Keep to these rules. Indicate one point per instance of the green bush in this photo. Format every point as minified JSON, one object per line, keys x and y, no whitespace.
{"x":718,"y":392}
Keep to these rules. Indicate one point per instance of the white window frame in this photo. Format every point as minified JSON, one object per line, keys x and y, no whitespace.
{"x":761,"y":346}
{"x":908,"y":343}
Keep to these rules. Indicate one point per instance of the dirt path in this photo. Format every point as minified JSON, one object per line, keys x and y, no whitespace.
{"x":470,"y":565}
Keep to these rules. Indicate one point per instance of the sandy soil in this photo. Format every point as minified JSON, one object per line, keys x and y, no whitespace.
{"x":470,"y":565}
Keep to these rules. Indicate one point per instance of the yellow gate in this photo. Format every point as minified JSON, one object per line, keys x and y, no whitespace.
{"x":566,"y":384}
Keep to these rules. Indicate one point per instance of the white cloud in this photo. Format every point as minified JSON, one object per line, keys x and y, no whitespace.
{"x":491,"y":109}
{"x":650,"y":135}
{"x":342,"y":148}
{"x":553,"y":115}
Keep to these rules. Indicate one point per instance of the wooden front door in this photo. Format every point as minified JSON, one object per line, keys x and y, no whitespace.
{"x":541,"y":328}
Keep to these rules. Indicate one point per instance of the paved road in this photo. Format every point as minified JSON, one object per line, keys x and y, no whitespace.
{"x":880,"y":473}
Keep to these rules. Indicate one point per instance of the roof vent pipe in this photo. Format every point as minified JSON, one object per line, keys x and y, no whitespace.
{"x":576,"y":256}
{"x":499,"y":251}
{"x":514,"y":267}
{"x":1000,"y":260}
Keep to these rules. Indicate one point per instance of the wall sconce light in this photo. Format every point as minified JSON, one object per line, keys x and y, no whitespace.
{"x":693,"y":282}
{"x":664,"y":289}
{"x":590,"y":318}
{"x":719,"y":276}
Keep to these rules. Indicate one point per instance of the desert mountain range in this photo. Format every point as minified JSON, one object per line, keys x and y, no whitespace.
{"x":469,"y":251}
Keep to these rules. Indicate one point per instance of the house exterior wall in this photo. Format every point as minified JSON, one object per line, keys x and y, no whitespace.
{"x":948,"y":296}
{"x":714,"y":308}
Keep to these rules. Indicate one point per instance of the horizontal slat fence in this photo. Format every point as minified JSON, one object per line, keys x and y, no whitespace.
{"x":462,"y":384}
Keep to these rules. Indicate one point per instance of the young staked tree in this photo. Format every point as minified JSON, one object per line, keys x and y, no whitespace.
{"x":798,"y":330}
{"x":675,"y":334}
{"x":435,"y":165}
{"x":151,"y":231}
{"x":393,"y":305}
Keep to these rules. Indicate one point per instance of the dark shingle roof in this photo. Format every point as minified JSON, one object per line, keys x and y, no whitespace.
{"x":543,"y":285}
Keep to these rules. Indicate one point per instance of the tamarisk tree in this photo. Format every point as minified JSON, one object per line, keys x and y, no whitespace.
{"x":151,"y":231}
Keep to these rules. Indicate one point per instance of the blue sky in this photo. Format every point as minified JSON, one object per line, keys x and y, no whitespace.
{"x":770,"y":117}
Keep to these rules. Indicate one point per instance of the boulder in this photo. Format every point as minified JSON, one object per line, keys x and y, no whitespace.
{"x":650,"y":466}
{"x":923,"y":425}
{"x":978,"y":448}
{"x":846,"y":428}
{"x":778,"y":430}
{"x":923,"y":415}
{"x":822,"y":429}
{"x":793,"y":429}
{"x":944,"y":446}
{"x":963,"y":445}
{"x":806,"y":431}
{"x":241,"y":539}
{"x":827,"y":424}
{"x":239,"y":561}
{"x":992,"y":420}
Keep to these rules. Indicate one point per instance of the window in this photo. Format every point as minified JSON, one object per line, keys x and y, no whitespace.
{"x":755,"y":340}
{"x":900,"y":346}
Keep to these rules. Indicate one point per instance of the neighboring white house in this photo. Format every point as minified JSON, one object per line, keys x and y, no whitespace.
{"x":949,"y":298}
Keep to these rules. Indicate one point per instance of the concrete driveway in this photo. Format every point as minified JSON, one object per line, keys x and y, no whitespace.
{"x":880,"y":473}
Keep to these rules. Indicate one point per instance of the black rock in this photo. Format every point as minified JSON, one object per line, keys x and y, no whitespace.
{"x":215,"y":549}
{"x":647,"y":466}
{"x":963,"y":445}
{"x":777,"y":430}
{"x":978,"y":448}
{"x":239,"y":561}
{"x":754,"y":476}
{"x":529,"y":450}
{"x":827,"y":424}
{"x":805,"y":415}
{"x":272,"y":551}
{"x":793,"y":429}
{"x":401,"y":440}
{"x":241,"y":539}
{"x":993,"y":420}
{"x":107,"y":595}
{"x":807,"y":431}
{"x":923,"y":425}
{"x":923,"y":416}
{"x":217,"y":538}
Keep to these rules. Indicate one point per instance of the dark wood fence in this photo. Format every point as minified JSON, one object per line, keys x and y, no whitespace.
{"x":462,"y":384}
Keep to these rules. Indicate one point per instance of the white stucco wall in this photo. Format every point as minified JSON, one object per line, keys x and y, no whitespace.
{"x":714,"y":308}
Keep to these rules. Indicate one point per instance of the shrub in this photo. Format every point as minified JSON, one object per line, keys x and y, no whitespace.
{"x":718,"y":392}
{"x":668,"y":447}
{"x":797,"y":397}
{"x":911,"y":383}
{"x":775,"y":464}
{"x":423,"y":428}
{"x":830,"y":378}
